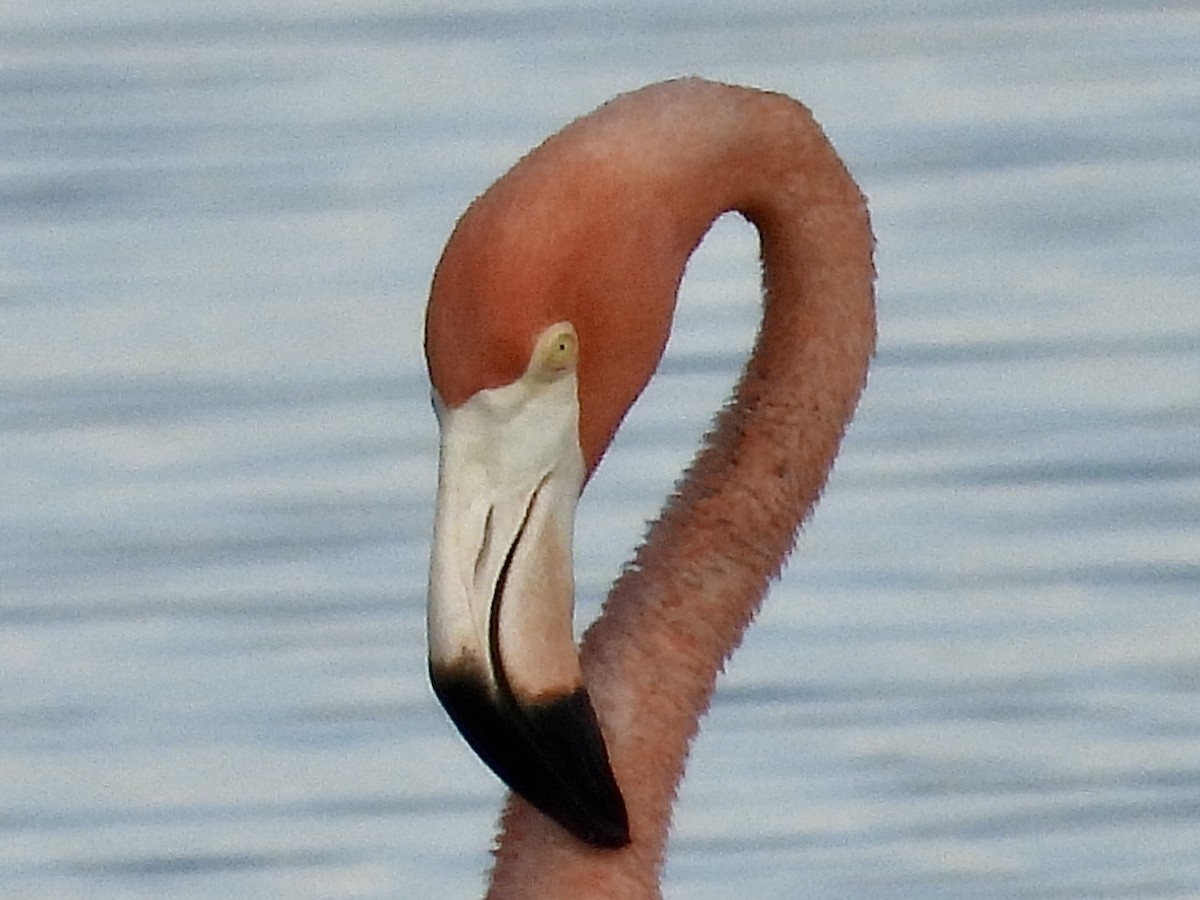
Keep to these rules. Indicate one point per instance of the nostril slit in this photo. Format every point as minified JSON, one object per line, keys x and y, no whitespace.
{"x":485,"y":545}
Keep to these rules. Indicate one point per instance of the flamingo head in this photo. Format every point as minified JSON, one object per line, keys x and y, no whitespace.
{"x":548,"y":313}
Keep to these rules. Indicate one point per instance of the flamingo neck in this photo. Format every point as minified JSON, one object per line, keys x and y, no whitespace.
{"x":681,"y":606}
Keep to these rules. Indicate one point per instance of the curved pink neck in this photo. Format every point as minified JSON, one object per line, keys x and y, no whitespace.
{"x":679,"y":609}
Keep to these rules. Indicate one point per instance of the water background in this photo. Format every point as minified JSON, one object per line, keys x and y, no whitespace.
{"x":979,"y":678}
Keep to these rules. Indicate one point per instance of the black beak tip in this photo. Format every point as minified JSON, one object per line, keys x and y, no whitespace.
{"x":584,"y":796}
{"x":610,"y":835}
{"x":551,"y":752}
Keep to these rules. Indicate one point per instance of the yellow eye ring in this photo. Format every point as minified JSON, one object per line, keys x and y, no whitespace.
{"x":556,"y":351}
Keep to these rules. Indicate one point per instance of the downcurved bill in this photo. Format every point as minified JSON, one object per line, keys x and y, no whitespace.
{"x":502,"y":656}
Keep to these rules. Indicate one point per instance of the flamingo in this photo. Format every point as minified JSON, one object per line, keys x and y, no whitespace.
{"x":548,"y":314}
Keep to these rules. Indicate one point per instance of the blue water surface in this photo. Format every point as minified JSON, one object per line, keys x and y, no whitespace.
{"x":980,"y":678}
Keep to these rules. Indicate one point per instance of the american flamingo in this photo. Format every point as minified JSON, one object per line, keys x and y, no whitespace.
{"x":548,"y":313}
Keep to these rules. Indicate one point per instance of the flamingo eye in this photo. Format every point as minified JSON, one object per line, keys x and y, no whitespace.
{"x":556,"y":352}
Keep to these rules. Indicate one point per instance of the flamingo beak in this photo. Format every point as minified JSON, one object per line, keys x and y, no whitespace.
{"x":502,"y":653}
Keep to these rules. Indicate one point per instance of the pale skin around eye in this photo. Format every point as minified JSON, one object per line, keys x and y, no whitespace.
{"x":555,"y":353}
